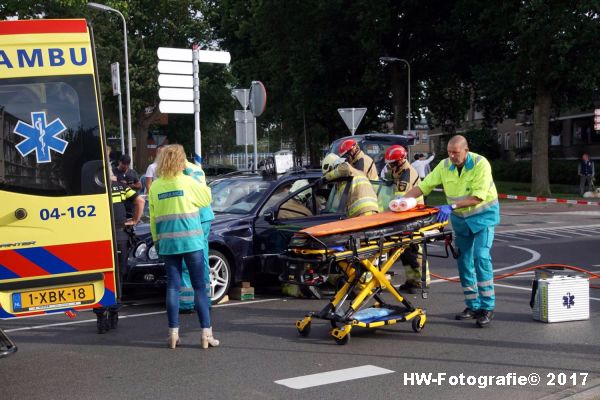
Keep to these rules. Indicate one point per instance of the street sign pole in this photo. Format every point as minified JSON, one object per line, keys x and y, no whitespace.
{"x":197,"y":133}
{"x":116,"y":83}
{"x":180,"y":84}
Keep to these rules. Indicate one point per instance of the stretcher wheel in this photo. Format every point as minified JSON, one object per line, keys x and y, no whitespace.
{"x":305,"y":331}
{"x":416,"y":324}
{"x":343,"y":340}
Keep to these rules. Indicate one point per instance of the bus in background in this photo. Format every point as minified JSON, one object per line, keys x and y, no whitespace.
{"x":56,"y":231}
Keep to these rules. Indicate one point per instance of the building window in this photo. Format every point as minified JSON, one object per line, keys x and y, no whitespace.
{"x":583,"y":131}
{"x":507,"y":141}
{"x":519,"y":139}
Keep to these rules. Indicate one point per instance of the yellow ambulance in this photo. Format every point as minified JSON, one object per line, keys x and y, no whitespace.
{"x":56,"y":233}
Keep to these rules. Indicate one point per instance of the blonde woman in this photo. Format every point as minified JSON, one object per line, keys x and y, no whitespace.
{"x":175,"y":200}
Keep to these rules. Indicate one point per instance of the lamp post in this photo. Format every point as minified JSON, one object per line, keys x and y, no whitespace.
{"x":102,"y":7}
{"x":394,"y":59}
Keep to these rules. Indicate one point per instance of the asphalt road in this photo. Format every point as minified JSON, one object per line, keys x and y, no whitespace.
{"x":261,"y":350}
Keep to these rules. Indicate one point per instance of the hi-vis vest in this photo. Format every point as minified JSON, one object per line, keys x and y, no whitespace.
{"x":175,"y":215}
{"x":474,"y":180}
{"x":362,"y":198}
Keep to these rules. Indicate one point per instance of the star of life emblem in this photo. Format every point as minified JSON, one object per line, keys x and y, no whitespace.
{"x":41,"y":137}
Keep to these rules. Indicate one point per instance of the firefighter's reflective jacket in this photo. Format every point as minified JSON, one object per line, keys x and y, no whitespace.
{"x":362,"y":199}
{"x":405,"y":178}
{"x":364,"y":163}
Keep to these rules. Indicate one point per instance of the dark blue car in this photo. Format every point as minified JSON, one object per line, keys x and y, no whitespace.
{"x":255,"y":215}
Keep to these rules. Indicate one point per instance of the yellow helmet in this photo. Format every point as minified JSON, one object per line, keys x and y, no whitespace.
{"x":330,"y":161}
{"x":300,"y":183}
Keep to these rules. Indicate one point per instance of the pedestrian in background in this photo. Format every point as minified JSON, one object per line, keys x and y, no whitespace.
{"x":150,"y":175}
{"x":474,"y":212}
{"x":586,"y":173}
{"x":422,"y":165}
{"x":175,"y":202}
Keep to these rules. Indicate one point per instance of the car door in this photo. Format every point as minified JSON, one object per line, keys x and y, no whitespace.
{"x":313,"y":204}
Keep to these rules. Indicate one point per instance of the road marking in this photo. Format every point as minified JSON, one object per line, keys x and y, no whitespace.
{"x":28,"y":328}
{"x":534,"y":257}
{"x":340,"y":375}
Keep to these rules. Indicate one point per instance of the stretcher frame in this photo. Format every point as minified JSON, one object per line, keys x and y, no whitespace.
{"x":364,"y":267}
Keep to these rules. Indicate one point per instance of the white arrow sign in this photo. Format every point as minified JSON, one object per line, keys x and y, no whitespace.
{"x":176,"y":107}
{"x":175,"y":67}
{"x":176,"y":94}
{"x":173,"y":54}
{"x":206,"y":56}
{"x":181,"y":81}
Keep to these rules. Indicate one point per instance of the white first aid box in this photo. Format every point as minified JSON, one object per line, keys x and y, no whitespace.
{"x":561,"y":298}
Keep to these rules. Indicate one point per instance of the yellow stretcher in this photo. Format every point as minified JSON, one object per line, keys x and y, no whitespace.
{"x":362,"y":250}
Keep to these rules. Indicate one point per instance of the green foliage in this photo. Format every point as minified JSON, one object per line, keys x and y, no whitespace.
{"x":561,"y":171}
{"x":483,"y":141}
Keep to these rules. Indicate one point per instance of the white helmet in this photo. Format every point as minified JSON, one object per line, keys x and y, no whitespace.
{"x":300,"y":183}
{"x":331,"y":161}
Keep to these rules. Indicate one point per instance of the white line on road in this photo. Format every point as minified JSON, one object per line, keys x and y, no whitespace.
{"x":340,"y":375}
{"x":28,"y":328}
{"x":534,"y":257}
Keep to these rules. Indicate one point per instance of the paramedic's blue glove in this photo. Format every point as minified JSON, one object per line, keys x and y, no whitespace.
{"x":444,"y":213}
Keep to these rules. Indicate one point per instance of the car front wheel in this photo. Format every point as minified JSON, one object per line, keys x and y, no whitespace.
{"x":220,"y":275}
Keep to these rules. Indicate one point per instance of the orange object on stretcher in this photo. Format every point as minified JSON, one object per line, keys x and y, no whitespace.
{"x":368,"y":221}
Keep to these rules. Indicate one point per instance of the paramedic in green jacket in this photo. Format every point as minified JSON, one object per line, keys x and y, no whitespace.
{"x":206,"y":213}
{"x":474,"y":212}
{"x":175,"y":200}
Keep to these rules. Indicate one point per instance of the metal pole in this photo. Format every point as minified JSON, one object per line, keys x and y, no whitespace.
{"x":392,"y":59}
{"x":129,"y":133}
{"x":408,"y":65}
{"x":121,"y":124}
{"x":197,"y":133}
{"x":255,"y":148}
{"x":103,"y":7}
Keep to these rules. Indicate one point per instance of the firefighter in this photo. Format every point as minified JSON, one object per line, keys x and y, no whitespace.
{"x":474,"y":211}
{"x":405,"y":177}
{"x":362,"y":199}
{"x":350,"y":150}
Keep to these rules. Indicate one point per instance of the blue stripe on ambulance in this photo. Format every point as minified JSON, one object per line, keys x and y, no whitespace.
{"x":46,"y":260}
{"x":6,"y":273}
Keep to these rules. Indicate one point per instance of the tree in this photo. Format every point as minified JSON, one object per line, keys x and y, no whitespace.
{"x":532,"y":53}
{"x":150,"y":25}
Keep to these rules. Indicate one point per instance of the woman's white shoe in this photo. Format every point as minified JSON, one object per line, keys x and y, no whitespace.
{"x":208,"y":339}
{"x":173,"y":339}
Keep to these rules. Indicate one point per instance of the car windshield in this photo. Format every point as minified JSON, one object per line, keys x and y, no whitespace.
{"x":237,"y":196}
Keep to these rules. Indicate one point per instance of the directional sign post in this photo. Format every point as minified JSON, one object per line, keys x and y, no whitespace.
{"x":243,"y":97}
{"x":180,"y":85}
{"x":352,"y":117}
{"x":597,"y":119}
{"x":116,"y":84}
{"x":257,"y":103}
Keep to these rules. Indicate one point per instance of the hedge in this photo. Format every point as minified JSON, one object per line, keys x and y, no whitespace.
{"x":560,"y":171}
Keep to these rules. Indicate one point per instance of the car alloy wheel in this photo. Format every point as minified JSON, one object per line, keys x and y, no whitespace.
{"x":220,"y":275}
